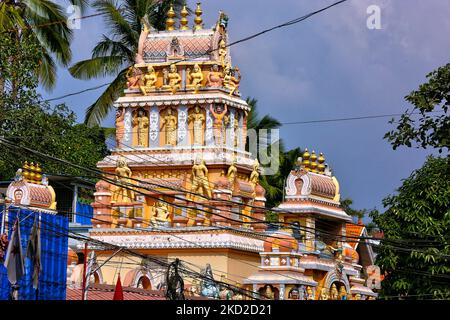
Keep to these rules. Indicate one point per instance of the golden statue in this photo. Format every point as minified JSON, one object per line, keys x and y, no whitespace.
{"x":174,"y":79}
{"x":170,"y":123}
{"x":268,"y":294}
{"x":342,"y":293}
{"x":198,"y":119}
{"x":142,"y":122}
{"x":195,"y":78}
{"x":215,"y":77}
{"x":222,"y":52}
{"x":254,"y":176}
{"x":123,"y":191}
{"x":309,"y":293}
{"x":232,"y":172}
{"x":323,"y":294}
{"x":334,"y":295}
{"x":229,"y":81}
{"x":218,"y":122}
{"x":149,"y":80}
{"x":120,"y":126}
{"x":357,"y":296}
{"x":200,"y":182}
{"x":161,"y":212}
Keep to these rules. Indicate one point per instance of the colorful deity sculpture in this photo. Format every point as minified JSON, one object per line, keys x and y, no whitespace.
{"x":230,"y":81}
{"x":142,"y":123}
{"x":169,"y":123}
{"x":215,"y":77}
{"x":342,"y":293}
{"x":198,"y":118}
{"x":200,"y":182}
{"x":219,"y":115}
{"x":134,"y":78}
{"x":162,"y":212}
{"x":324,"y":294}
{"x":254,"y":176}
{"x":309,"y":293}
{"x":195,"y":78}
{"x":222,"y":52}
{"x":334,"y":295}
{"x":208,"y":286}
{"x":149,"y":80}
{"x":120,"y":126}
{"x":232,"y":172}
{"x":268,"y":293}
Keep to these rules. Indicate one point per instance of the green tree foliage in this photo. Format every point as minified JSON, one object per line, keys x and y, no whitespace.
{"x":419,"y":212}
{"x":432,"y":127}
{"x":28,"y":121}
{"x":115,"y":53}
{"x":45,"y":20}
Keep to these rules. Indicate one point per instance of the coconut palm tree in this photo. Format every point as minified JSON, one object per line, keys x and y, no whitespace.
{"x":46,"y":21}
{"x":114,"y":54}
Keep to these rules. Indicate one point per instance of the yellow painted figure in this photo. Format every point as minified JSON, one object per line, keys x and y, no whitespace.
{"x":222,"y":52}
{"x":334,"y":295}
{"x":229,"y":81}
{"x":342,"y":293}
{"x":195,"y":78}
{"x":254,"y":176}
{"x":142,"y":122}
{"x":169,"y":123}
{"x":162,"y":212}
{"x":232,"y":172}
{"x":149,"y":80}
{"x":215,"y":77}
{"x":200,"y":182}
{"x":198,"y":118}
{"x":174,"y":79}
{"x":123,"y":193}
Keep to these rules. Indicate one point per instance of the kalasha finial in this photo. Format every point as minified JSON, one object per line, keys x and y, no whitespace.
{"x":170,"y":22}
{"x":32,"y":176}
{"x":313,"y":164}
{"x":26,"y":171}
{"x":321,"y":166}
{"x":305,"y":158}
{"x":184,"y":21}
{"x":38,"y":175}
{"x":198,"y":19}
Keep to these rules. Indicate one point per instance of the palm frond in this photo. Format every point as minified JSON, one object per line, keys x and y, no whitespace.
{"x":97,"y":67}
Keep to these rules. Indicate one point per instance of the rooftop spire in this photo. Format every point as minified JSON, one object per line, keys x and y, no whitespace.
{"x":198,"y":19}
{"x":184,"y":21}
{"x":170,"y":22}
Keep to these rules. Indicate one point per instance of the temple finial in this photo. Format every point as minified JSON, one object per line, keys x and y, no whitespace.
{"x":184,"y":21}
{"x":305,"y":161}
{"x":198,"y":19}
{"x":321,"y":166}
{"x":313,"y":163}
{"x":170,"y":22}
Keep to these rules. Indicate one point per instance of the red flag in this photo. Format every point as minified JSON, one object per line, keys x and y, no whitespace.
{"x":118,"y":292}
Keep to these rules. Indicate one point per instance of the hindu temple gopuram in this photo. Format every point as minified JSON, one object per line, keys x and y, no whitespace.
{"x":187,"y":188}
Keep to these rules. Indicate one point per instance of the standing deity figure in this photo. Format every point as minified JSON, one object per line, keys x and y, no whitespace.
{"x":334,"y":295}
{"x":123,"y":190}
{"x":165,"y":73}
{"x":218,"y":122}
{"x":195,"y":78}
{"x":254,"y":176}
{"x":120,"y":126}
{"x":134,"y":78}
{"x":174,"y":79}
{"x":230,"y":81}
{"x":357,"y":296}
{"x":198,"y":118}
{"x":222,"y":52}
{"x":200,"y":182}
{"x":142,"y":122}
{"x":149,"y":80}
{"x":236,"y":132}
{"x":309,"y":293}
{"x":215,"y":77}
{"x":342,"y":293}
{"x":232,"y":172}
{"x":170,"y":122}
{"x":268,"y":293}
{"x":162,"y":212}
{"x":323,"y":294}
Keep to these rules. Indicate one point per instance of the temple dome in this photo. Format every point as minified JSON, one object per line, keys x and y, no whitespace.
{"x":280,"y":241}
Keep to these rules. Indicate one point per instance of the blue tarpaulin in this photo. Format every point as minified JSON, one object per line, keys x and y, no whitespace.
{"x":84,"y":214}
{"x":54,"y":247}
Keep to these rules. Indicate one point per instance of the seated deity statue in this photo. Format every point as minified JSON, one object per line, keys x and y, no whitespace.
{"x":215,"y":77}
{"x":334,"y":295}
{"x":174,"y":79}
{"x":149,"y":81}
{"x":134,"y":78}
{"x":162,"y":212}
{"x":230,"y":81}
{"x":195,"y":78}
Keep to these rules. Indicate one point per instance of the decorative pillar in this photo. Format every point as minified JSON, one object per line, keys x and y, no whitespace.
{"x":128,"y":136}
{"x":255,"y":288}
{"x":230,"y":130}
{"x":182,"y":126}
{"x":241,"y":137}
{"x":209,"y":134}
{"x":310,"y":235}
{"x":153,"y":131}
{"x":282,"y":289}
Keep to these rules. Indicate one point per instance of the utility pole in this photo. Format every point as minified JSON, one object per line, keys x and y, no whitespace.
{"x":84,"y":271}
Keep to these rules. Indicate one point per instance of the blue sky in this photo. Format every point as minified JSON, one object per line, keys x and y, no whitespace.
{"x":330,"y":66}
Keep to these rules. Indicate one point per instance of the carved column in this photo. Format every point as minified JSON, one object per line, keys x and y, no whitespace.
{"x":241,"y":131}
{"x":128,"y":124}
{"x":310,"y":234}
{"x":153,"y":132}
{"x":230,"y":130}
{"x":182,"y":138}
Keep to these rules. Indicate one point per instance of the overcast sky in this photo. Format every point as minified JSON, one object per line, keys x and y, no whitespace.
{"x":330,"y":66}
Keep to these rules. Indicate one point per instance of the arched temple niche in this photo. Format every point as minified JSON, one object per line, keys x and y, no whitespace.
{"x":139,"y":277}
{"x":140,"y":127}
{"x":168,"y":127}
{"x":197,"y":125}
{"x":269,"y":292}
{"x":341,"y":284}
